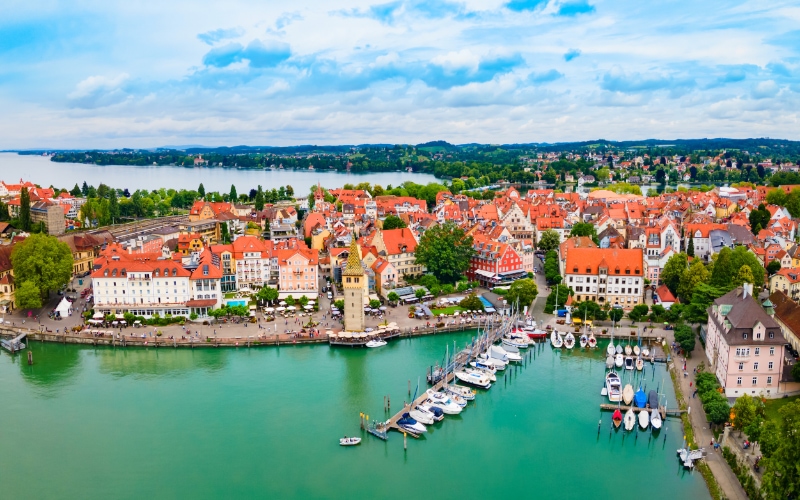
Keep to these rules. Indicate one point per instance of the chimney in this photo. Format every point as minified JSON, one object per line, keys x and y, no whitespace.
{"x":747,"y":288}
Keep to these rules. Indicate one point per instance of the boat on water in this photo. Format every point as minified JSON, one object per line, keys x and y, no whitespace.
{"x":609,"y":362}
{"x":490,"y":375}
{"x":485,"y":367}
{"x":569,"y":341}
{"x":688,"y":456}
{"x":630,"y":419}
{"x":619,"y":360}
{"x":655,"y":419}
{"x":628,"y":350}
{"x":441,"y":396}
{"x":618,"y":349}
{"x":639,"y":364}
{"x":644,"y":419}
{"x":376,"y":343}
{"x":636,"y":350}
{"x":652,"y":399}
{"x":583,"y":341}
{"x":645,"y":352}
{"x":535,"y":333}
{"x":616,"y":418}
{"x":474,"y":378}
{"x":628,"y":363}
{"x":458,"y":390}
{"x":613,"y":386}
{"x":435,"y":375}
{"x":627,"y":394}
{"x":446,"y":406}
{"x":640,"y":398}
{"x":592,"y":341}
{"x":488,"y":360}
{"x":514,"y":343}
{"x":436,"y":412}
{"x":610,"y":348}
{"x":406,"y":422}
{"x":499,"y":352}
{"x":423,"y":417}
{"x":555,"y":340}
{"x":347,"y":441}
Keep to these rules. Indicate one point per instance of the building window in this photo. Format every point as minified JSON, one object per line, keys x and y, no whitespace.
{"x":755,"y":380}
{"x":769,"y":380}
{"x":738,"y":380}
{"x":769,"y":365}
{"x":744,"y":335}
{"x":772,"y":335}
{"x":741,"y":366}
{"x":771,"y":351}
{"x":755,"y":367}
{"x":758,"y":351}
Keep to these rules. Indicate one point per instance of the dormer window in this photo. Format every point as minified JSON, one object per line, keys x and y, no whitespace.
{"x":772,"y":335}
{"x":157,"y":274}
{"x":575,"y":269}
{"x":105,"y":273}
{"x":174,"y":272}
{"x":114,"y":272}
{"x":744,"y":336}
{"x":616,"y":270}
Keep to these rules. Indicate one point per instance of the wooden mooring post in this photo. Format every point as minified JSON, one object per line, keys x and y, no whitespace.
{"x":30,"y":357}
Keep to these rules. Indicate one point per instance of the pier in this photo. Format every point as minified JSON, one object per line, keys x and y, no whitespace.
{"x":623,"y":408}
{"x":15,"y":344}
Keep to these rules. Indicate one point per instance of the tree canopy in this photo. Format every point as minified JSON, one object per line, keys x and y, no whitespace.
{"x":585,"y":229}
{"x":393,"y":222}
{"x":673,"y":271}
{"x":522,"y":292}
{"x":445,"y":251}
{"x":549,"y":240}
{"x":41,"y":263}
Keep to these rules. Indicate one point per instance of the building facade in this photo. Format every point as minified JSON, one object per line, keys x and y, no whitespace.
{"x":606,"y":275}
{"x":353,"y":284}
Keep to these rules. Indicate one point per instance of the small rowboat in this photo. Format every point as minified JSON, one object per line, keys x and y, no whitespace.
{"x":346,"y":441}
{"x":617,"y":418}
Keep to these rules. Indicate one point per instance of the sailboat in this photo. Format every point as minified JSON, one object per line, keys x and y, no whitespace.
{"x":616,"y":418}
{"x":592,"y":341}
{"x":639,"y":364}
{"x":655,"y":419}
{"x":630,"y":419}
{"x":628,"y":350}
{"x":619,"y":348}
{"x":584,"y":340}
{"x":640,"y":398}
{"x":627,"y":394}
{"x":609,"y":361}
{"x":636,"y":350}
{"x":569,"y":341}
{"x":555,"y":339}
{"x":610,"y":349}
{"x":645,"y":352}
{"x":644,"y":419}
{"x":618,"y":360}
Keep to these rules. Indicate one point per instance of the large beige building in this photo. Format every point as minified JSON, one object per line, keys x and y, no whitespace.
{"x":606,"y":275}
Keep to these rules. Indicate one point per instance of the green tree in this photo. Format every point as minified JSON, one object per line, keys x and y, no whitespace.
{"x":42,"y":261}
{"x":773,"y":267}
{"x":76,"y":191}
{"x":233,"y":195}
{"x":796,"y":372}
{"x":259,"y":202}
{"x":745,"y":411}
{"x":559,"y":293}
{"x":419,"y":293}
{"x":781,"y":478}
{"x":723,"y":272}
{"x":770,"y":438}
{"x":759,"y":218}
{"x":585,"y":229}
{"x":657,"y":313}
{"x":201,"y":190}
{"x":690,"y":247}
{"x":638,"y":312}
{"x":393,"y":222}
{"x":85,"y":189}
{"x":113,"y":206}
{"x":471,"y":303}
{"x":702,"y":296}
{"x":445,"y":251}
{"x":290,"y":301}
{"x":393,"y":297}
{"x":552,"y":273}
{"x":616,"y":314}
{"x":684,"y":336}
{"x":28,"y":296}
{"x":267,"y":294}
{"x":673,"y":271}
{"x":374,"y":303}
{"x":339,"y":304}
{"x":522,"y":292}
{"x":549,"y":240}
{"x":745,"y":275}
{"x":24,"y":210}
{"x":718,"y":410}
{"x":589,"y":310}
{"x":224,"y":234}
{"x":695,"y":275}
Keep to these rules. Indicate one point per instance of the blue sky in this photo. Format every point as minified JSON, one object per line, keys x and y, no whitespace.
{"x":83,"y":74}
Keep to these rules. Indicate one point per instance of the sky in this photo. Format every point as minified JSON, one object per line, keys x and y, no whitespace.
{"x":111,"y":74}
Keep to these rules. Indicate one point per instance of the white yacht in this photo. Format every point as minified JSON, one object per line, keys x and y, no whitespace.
{"x":644,"y":419}
{"x":619,"y":360}
{"x":498,"y":352}
{"x":613,"y":387}
{"x":655,"y":419}
{"x":458,"y":390}
{"x":423,"y":417}
{"x":569,"y":340}
{"x":376,"y":343}
{"x":555,"y":339}
{"x":630,"y":419}
{"x":472,"y":369}
{"x":474,"y":378}
{"x":446,"y":406}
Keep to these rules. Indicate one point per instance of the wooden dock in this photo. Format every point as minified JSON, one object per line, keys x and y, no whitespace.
{"x":663,"y":410}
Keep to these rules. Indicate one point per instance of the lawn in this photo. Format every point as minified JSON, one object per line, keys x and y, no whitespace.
{"x":447,"y":310}
{"x":773,"y":405}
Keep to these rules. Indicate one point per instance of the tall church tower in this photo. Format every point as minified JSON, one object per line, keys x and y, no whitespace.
{"x":353,"y":282}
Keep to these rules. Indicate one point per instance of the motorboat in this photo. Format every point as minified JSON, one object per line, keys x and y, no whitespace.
{"x":619,"y":360}
{"x":499,"y":353}
{"x":406,"y":422}
{"x":534,"y":333}
{"x":376,"y":343}
{"x":644,"y":419}
{"x":569,"y":341}
{"x":645,"y":352}
{"x":521,"y":337}
{"x":616,"y":418}
{"x":346,"y":441}
{"x":583,"y":341}
{"x":458,"y":390}
{"x":655,"y":419}
{"x":486,"y":367}
{"x":610,"y":348}
{"x":628,"y":350}
{"x":640,"y":398}
{"x":514,"y":342}
{"x":434,"y":395}
{"x":474,"y":378}
{"x":618,"y":349}
{"x":491,"y":375}
{"x":630,"y":419}
{"x":609,"y":362}
{"x":592,"y":341}
{"x":555,"y":339}
{"x":423,"y":417}
{"x":639,"y":364}
{"x":636,"y":350}
{"x":446,"y":406}
{"x":627,"y":394}
{"x":652,"y":399}
{"x":613,"y":386}
{"x":436,"y":412}
{"x":628,"y":363}
{"x":488,"y":360}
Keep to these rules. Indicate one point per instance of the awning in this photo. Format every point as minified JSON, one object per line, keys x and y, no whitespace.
{"x":486,"y":274}
{"x":296,"y":295}
{"x":201,"y":303}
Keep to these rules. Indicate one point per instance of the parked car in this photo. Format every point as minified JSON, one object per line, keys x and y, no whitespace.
{"x":330,"y":295}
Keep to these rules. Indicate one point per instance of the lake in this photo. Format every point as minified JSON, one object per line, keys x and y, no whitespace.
{"x":97,"y":423}
{"x":40,"y":170}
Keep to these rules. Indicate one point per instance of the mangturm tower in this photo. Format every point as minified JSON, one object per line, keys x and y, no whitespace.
{"x":353,"y":282}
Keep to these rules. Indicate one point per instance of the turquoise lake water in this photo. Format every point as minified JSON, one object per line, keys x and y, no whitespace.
{"x":96,"y":423}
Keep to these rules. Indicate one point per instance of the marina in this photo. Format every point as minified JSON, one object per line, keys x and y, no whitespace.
{"x":541,"y":411}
